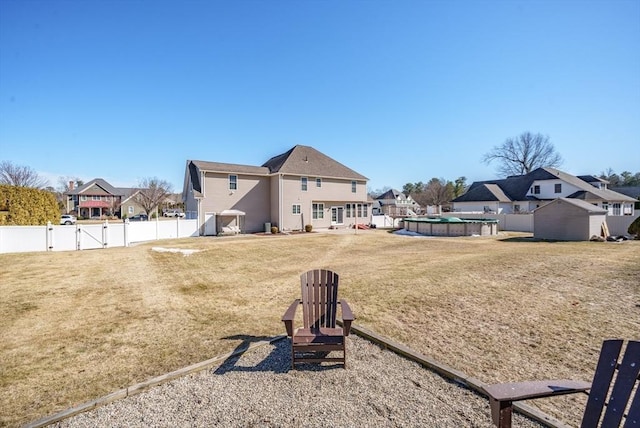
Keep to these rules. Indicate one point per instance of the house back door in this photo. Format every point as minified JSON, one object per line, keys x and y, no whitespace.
{"x":337,"y":215}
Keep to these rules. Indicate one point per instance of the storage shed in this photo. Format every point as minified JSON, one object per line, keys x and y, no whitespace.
{"x":565,"y":219}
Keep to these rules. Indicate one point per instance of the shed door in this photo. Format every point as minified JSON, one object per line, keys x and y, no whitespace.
{"x":210,"y":224}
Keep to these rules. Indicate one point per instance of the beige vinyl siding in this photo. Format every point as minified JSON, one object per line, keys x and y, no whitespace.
{"x":252,"y":197}
{"x":564,"y":221}
{"x":275,"y":198}
{"x":334,"y":192}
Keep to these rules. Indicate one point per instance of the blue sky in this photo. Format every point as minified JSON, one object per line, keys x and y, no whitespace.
{"x":400,"y":91}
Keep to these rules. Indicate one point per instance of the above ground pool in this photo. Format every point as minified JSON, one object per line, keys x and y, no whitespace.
{"x":451,"y":226}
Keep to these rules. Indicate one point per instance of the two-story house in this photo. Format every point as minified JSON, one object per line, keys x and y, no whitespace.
{"x":394,"y":203}
{"x":299,"y":187}
{"x":98,"y":198}
{"x":525,"y":193}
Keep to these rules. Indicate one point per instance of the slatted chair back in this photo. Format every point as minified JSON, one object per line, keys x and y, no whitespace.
{"x":624,"y":371}
{"x":319,"y":298}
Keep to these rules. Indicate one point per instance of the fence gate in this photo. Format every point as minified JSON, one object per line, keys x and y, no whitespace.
{"x":91,"y":236}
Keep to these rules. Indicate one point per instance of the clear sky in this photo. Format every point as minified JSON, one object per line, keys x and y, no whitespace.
{"x":399,"y":91}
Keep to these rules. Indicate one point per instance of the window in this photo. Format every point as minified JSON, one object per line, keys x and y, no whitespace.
{"x":516,"y":208}
{"x":318,"y":211}
{"x":303,"y":184}
{"x":353,"y":187}
{"x":318,"y":182}
{"x":616,"y":209}
{"x":233,"y":182}
{"x":349,"y":210}
{"x":96,"y":197}
{"x":536,"y":189}
{"x":605,"y":205}
{"x":356,"y":210}
{"x":558,"y":188}
{"x":295,"y":209}
{"x":627,"y":209}
{"x":83,"y":197}
{"x":130,"y":209}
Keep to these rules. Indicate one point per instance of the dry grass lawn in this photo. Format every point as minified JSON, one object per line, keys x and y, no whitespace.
{"x":78,"y":325}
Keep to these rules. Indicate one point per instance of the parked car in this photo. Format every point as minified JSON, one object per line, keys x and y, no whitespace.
{"x":173,"y":213}
{"x":139,"y":217}
{"x":68,"y":219}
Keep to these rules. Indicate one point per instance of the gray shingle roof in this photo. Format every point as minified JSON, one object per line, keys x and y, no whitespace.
{"x":515,"y":188}
{"x":307,"y":161}
{"x":587,"y":206}
{"x":108,"y":188}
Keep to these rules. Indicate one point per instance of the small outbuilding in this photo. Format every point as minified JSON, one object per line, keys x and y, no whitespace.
{"x":566,"y":219}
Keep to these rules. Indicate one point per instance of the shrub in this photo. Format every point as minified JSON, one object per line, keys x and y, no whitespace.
{"x":308,"y":228}
{"x":26,"y":206}
{"x":634,"y":228}
{"x":274,"y":229}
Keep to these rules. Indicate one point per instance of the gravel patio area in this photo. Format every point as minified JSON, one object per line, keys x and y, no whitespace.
{"x":258,"y":388}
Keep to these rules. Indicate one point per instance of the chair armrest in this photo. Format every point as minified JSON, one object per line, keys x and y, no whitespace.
{"x":502,"y":395}
{"x":289,"y":316}
{"x":347,"y":317}
{"x":534,"y":389}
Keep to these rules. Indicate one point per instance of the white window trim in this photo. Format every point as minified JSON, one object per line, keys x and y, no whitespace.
{"x":233,"y":182}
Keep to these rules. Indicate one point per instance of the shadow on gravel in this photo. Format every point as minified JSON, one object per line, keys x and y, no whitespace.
{"x":278,"y":360}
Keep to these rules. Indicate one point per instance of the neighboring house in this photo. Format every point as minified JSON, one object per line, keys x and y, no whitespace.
{"x":98,"y":198}
{"x":291,"y":190}
{"x":394,"y":203}
{"x":525,"y":193}
{"x":566,"y":219}
{"x":631,"y":191}
{"x":93,"y":199}
{"x":129,"y":206}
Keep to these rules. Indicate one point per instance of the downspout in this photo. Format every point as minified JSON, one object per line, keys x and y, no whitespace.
{"x":201,"y":226}
{"x":280,"y":202}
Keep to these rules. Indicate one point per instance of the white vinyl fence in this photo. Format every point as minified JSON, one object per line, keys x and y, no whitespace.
{"x":18,"y":239}
{"x":618,"y":225}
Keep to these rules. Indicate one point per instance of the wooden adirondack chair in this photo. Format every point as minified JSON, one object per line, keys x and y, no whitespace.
{"x":607,"y":389}
{"x":319,"y":334}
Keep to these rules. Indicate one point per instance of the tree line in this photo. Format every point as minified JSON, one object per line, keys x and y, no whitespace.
{"x":515,"y":156}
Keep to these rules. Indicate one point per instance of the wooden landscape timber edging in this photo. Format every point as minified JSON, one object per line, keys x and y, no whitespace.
{"x":453,"y":375}
{"x":142,"y":386}
{"x":402,"y":350}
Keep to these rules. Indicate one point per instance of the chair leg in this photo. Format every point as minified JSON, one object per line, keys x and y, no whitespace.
{"x":501,"y":412}
{"x":344,"y":355}
{"x":293,"y":356}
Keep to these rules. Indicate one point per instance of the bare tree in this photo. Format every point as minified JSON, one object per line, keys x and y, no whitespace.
{"x":64,"y":183}
{"x":21,"y":176}
{"x":524,"y":153}
{"x":438,"y":192}
{"x":152,"y":192}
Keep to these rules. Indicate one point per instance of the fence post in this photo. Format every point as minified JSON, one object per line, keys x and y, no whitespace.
{"x":126,"y":232}
{"x":78,"y":237}
{"x":49,"y":236}
{"x":105,"y":226}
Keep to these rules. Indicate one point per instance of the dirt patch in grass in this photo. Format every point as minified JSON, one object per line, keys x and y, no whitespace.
{"x":78,"y":325}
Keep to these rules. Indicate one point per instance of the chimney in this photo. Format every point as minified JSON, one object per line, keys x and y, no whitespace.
{"x":71,"y":184}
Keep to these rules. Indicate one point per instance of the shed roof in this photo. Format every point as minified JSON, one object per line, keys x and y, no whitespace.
{"x":586,"y":206}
